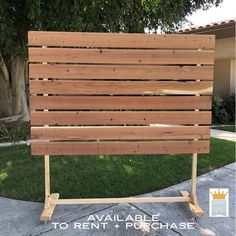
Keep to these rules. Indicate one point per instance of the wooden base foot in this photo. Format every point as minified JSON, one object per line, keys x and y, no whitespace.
{"x":193,"y":204}
{"x":49,"y":207}
{"x":196,"y":209}
{"x":184,"y":193}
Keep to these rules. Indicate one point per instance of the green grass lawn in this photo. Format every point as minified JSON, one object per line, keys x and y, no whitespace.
{"x":21,"y":176}
{"x":230,"y":128}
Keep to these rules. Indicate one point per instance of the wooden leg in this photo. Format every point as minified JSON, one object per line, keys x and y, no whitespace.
{"x":193,"y":203}
{"x":47,"y":176}
{"x":48,"y":207}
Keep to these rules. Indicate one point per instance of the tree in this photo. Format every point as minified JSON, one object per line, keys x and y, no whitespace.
{"x":19,"y":16}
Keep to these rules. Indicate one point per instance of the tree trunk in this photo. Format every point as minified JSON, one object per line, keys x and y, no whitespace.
{"x":6,"y":108}
{"x":13,"y":89}
{"x":20,"y":88}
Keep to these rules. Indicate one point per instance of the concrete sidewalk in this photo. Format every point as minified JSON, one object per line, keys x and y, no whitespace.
{"x":221,"y":134}
{"x":22,"y":218}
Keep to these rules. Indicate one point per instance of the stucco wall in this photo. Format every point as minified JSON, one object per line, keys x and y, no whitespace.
{"x":222,"y":77}
{"x":225,"y":48}
{"x":232,"y":76}
{"x":224,"y":70}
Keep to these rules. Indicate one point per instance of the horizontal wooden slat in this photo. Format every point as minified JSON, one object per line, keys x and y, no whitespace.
{"x":120,"y":87}
{"x":95,"y":148}
{"x":120,"y":72}
{"x":120,"y":102}
{"x":120,"y":132}
{"x":120,"y":56}
{"x":93,"y":118}
{"x":120,"y":40}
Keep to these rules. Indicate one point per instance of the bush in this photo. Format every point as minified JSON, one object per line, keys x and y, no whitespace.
{"x":14,"y":131}
{"x":229,"y":105}
{"x":223,"y":109}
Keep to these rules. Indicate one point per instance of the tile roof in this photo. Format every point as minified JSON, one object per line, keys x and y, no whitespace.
{"x":218,"y":23}
{"x":221,"y":29}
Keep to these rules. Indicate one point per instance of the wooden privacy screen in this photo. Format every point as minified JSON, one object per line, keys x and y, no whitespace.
{"x":107,"y":87}
{"x":104,"y":93}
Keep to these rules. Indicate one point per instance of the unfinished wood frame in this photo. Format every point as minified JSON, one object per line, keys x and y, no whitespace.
{"x":110,"y":93}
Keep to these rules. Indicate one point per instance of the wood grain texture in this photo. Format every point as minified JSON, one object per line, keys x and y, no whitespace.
{"x":119,"y":118}
{"x":112,"y":40}
{"x":120,"y":56}
{"x":120,"y":200}
{"x":122,"y":132}
{"x":141,"y":147}
{"x":120,"y":87}
{"x":108,"y":81}
{"x":120,"y":102}
{"x":131,"y":72}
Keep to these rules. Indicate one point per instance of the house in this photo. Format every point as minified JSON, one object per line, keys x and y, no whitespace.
{"x":224,"y":70}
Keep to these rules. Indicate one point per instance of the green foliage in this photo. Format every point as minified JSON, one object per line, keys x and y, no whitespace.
{"x":223,"y":109}
{"x":14,"y":132}
{"x":19,"y":16}
{"x":219,"y":113}
{"x":229,"y":105}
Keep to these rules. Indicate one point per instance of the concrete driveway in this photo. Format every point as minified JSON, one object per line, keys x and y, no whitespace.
{"x":22,"y":218}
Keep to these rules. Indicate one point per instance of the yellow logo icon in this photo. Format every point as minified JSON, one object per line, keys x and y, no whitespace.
{"x":220,"y":195}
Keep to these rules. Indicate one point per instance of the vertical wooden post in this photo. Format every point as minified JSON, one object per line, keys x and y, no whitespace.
{"x":48,"y":207}
{"x":46,"y":160}
{"x":194,"y":174}
{"x":194,"y":167}
{"x":47,"y":175}
{"x":193,"y":204}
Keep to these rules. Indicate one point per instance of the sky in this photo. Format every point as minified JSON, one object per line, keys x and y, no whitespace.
{"x":225,"y":11}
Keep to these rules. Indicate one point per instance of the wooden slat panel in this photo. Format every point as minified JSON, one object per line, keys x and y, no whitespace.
{"x":116,"y":56}
{"x":120,"y":102}
{"x":93,"y":118}
{"x":94,"y":148}
{"x":122,"y":132}
{"x":111,"y":40}
{"x":120,"y":87}
{"x":122,"y":63}
{"x":120,"y":72}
